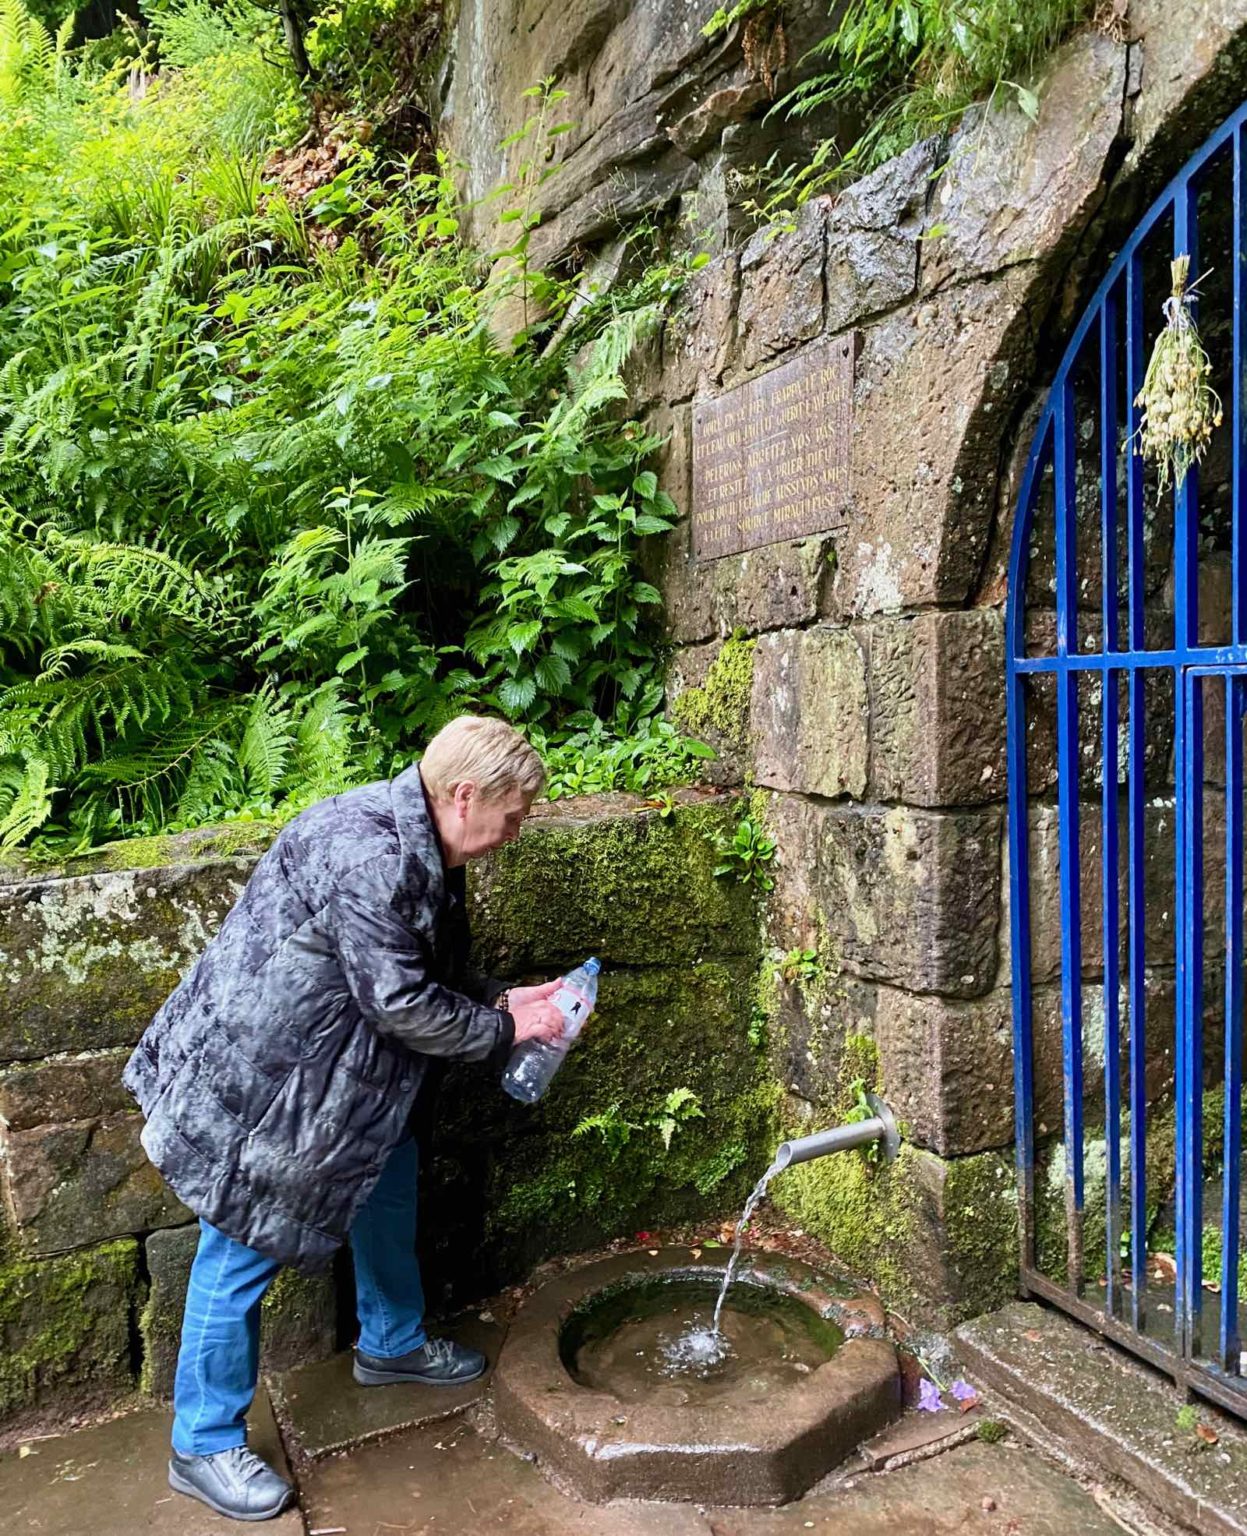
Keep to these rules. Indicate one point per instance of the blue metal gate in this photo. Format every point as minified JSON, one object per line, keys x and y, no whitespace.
{"x":1126,"y":640}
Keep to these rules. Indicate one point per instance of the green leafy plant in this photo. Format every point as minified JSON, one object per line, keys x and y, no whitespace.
{"x":679,"y":1107}
{"x":276,"y":502}
{"x":860,"y":1109}
{"x":746,"y":853}
{"x":800,"y":965}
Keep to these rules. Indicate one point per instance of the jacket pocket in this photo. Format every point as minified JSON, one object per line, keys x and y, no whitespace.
{"x":243,"y":1090}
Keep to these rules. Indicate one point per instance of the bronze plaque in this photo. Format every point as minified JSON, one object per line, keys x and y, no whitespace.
{"x":771,"y":457}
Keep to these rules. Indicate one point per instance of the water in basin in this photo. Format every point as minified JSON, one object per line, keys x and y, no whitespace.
{"x":655,"y":1341}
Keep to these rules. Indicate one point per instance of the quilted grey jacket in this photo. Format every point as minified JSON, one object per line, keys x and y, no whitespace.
{"x":281,"y":1073}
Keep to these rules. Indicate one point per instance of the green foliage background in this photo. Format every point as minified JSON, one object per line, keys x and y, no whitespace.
{"x":274,"y":501}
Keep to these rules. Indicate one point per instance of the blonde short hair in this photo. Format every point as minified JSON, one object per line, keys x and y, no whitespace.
{"x":490,"y":753}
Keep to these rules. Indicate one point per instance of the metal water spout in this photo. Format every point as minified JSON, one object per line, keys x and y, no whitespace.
{"x":881,"y":1127}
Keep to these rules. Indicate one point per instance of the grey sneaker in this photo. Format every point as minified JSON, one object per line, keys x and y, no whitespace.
{"x":234,"y":1483}
{"x":439,"y":1363}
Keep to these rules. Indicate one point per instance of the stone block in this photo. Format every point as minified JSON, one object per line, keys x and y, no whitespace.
{"x":913,"y":898}
{"x":298,"y":1318}
{"x":83,"y":1182}
{"x":809,"y":717}
{"x":699,"y":333}
{"x":872,"y":238}
{"x":923,"y":478}
{"x":71,"y":1088}
{"x":782,"y":287}
{"x":1018,"y":190}
{"x":778,"y":586}
{"x":602,"y":875}
{"x":821,"y":1038}
{"x":65,"y":1329}
{"x":708,"y":694}
{"x":946,"y":1067}
{"x":937,"y":726}
{"x":87,"y":961}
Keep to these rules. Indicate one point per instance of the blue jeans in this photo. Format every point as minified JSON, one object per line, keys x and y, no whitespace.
{"x":218,"y":1363}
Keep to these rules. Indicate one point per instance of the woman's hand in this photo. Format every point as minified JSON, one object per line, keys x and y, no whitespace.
{"x":536,"y":1017}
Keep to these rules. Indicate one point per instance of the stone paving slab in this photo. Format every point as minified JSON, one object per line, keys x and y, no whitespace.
{"x":1113,"y":1412}
{"x":446,"y":1480}
{"x":323,"y":1409}
{"x":112,"y":1480}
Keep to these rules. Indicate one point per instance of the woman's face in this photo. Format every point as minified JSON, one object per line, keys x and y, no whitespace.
{"x":484,"y":824}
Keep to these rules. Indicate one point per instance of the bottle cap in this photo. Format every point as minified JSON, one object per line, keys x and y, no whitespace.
{"x":593,"y":965}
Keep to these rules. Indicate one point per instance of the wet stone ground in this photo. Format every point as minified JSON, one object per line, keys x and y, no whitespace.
{"x":450,"y":1477}
{"x":434,"y":1467}
{"x":419,"y":1461}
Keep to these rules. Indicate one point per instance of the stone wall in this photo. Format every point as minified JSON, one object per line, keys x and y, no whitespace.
{"x":95,"y":1250}
{"x":853,"y":683}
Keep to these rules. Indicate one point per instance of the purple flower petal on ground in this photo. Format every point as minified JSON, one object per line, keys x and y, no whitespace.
{"x":929,"y":1399}
{"x":962,"y":1390}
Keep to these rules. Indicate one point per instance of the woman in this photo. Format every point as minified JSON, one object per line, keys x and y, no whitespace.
{"x":281,"y":1079}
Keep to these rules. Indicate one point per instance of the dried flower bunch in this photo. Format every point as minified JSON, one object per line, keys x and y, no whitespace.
{"x":1180,"y":406}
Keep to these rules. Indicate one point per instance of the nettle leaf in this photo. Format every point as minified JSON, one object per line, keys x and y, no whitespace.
{"x":553,"y":673}
{"x":517,"y":693}
{"x":646,"y":523}
{"x":522,"y":637}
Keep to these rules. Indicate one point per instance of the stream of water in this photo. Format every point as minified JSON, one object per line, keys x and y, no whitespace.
{"x":704,"y":1347}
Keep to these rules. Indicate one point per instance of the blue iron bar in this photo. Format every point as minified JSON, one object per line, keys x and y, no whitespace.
{"x":1181,"y":1090}
{"x":1108,"y":834}
{"x":1216,"y":656}
{"x":1134,"y":464}
{"x":1239,"y":460}
{"x":1019,"y":903}
{"x":1189,"y":1298}
{"x":1229,"y":1343}
{"x":1020,"y":938}
{"x":1137,"y":792}
{"x":1067,"y":794}
{"x":1137,"y":799}
{"x":1190,"y":760}
{"x":1186,"y":497}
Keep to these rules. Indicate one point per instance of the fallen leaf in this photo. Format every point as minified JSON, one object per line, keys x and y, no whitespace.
{"x":26,"y":1450}
{"x":1033,"y":1334}
{"x":1208,"y":1436}
{"x":696,"y":1253}
{"x":968,"y":1403}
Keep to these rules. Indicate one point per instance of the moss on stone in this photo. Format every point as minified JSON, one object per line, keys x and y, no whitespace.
{"x":544,"y":1189}
{"x":64,"y":1325}
{"x":635,"y":889}
{"x":867,"y":1214}
{"x":980,"y":1217}
{"x":229,"y":840}
{"x":720,"y":706}
{"x":936,"y":1239}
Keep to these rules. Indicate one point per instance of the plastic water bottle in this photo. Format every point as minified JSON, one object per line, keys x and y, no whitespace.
{"x":534,"y":1062}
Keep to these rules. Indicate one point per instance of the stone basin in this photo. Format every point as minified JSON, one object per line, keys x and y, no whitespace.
{"x":603,"y":1446}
